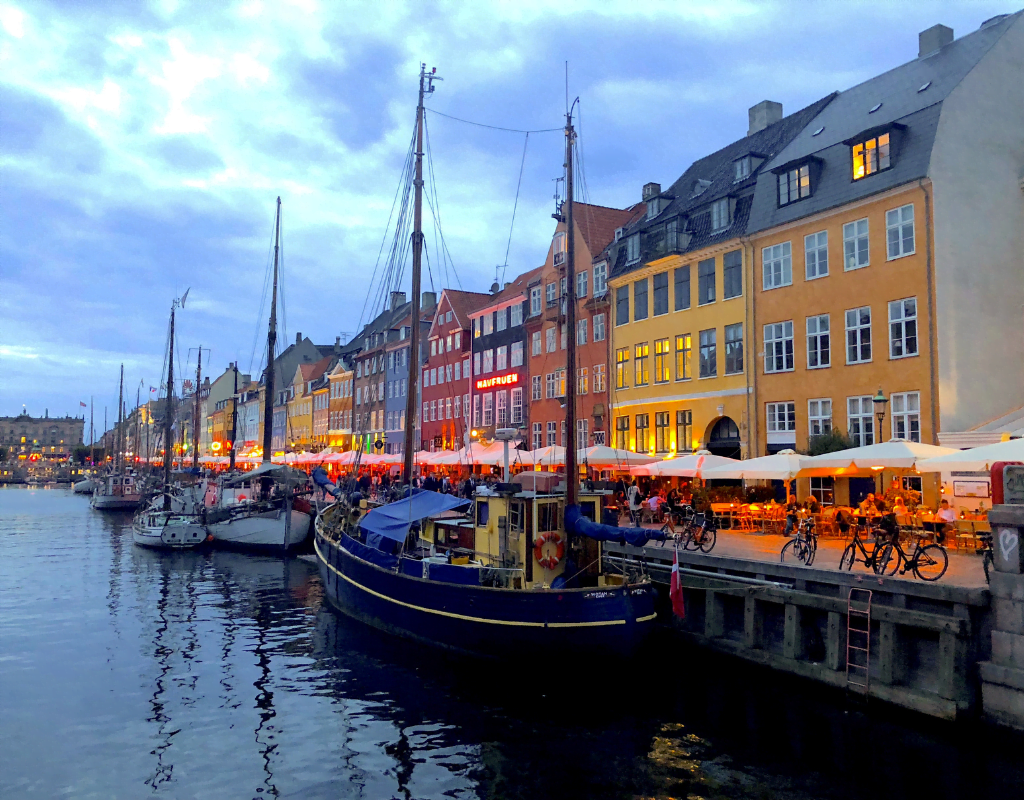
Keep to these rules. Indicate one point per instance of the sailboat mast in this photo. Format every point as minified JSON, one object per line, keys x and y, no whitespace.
{"x":412,"y":400}
{"x":572,"y":474}
{"x":234,"y":416}
{"x":92,"y":439}
{"x":169,"y":418}
{"x":120,"y":419}
{"x":268,"y":397}
{"x":135,"y":446}
{"x":195,"y":411}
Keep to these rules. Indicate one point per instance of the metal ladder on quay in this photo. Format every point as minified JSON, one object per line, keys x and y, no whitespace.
{"x":858,"y":641}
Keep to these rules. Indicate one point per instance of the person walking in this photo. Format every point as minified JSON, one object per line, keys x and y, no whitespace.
{"x":634,"y":500}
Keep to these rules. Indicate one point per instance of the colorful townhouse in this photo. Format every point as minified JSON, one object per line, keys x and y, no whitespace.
{"x":680,"y":371}
{"x":321,"y":413}
{"x":548,"y":337}
{"x":339,"y":426}
{"x":445,"y":381}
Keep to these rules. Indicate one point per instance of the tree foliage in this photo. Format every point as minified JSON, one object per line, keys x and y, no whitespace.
{"x":830,"y":442}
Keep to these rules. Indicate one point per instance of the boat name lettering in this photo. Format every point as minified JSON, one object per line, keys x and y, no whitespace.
{"x":597,"y":595}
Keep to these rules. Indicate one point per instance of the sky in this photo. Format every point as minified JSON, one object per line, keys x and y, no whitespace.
{"x":143,"y":146}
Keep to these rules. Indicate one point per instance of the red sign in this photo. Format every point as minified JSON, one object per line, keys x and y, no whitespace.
{"x":498,"y":380}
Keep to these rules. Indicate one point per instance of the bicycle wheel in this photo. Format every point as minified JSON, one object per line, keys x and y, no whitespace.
{"x":887,"y":561}
{"x":849,"y":557}
{"x":708,"y":540}
{"x":812,"y":551}
{"x":795,"y":549}
{"x":689,"y":539}
{"x":931,"y":562}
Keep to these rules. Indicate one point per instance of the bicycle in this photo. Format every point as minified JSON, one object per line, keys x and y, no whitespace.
{"x":870,"y":560}
{"x":804,"y":543}
{"x":700,"y":533}
{"x":929,"y":563}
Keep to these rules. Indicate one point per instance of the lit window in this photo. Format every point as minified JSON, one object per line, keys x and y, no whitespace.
{"x":816,"y":255}
{"x":661,"y":360}
{"x":777,"y":265}
{"x":661,"y":432}
{"x":643,"y":424}
{"x":582,"y":380}
{"x":641,"y":370}
{"x":903,"y":328}
{"x":794,"y":185}
{"x":858,"y":335}
{"x":683,"y":348}
{"x":855,"y":245}
{"x":599,"y":378}
{"x":778,"y":347}
{"x":899,"y":231}
{"x":870,"y":156}
{"x":819,"y":346}
{"x":621,"y":362}
{"x":906,"y":416}
{"x":622,"y":433}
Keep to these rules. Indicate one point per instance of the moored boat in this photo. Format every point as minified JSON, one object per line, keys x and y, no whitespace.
{"x":117,"y":492}
{"x":167,"y":530}
{"x":260,"y":511}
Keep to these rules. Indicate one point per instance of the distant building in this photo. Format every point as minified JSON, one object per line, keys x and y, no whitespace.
{"x":48,"y":437}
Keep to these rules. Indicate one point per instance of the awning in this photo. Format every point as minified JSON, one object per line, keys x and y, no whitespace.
{"x":277,"y":472}
{"x":976,"y":459}
{"x":896,"y":454}
{"x":392,"y":520}
{"x":782,"y":466}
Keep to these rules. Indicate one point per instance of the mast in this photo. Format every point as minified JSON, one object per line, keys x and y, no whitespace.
{"x":572,"y":473}
{"x":412,"y":400}
{"x":268,"y":397}
{"x":168,"y":418}
{"x":92,"y":439}
{"x":135,"y":446}
{"x":195,"y":411}
{"x":120,"y":418}
{"x":234,"y":417}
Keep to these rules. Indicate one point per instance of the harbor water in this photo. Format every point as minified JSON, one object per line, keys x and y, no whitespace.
{"x":126,"y":673}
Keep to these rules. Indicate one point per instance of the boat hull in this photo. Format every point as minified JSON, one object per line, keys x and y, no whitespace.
{"x":88,"y":486}
{"x":487,"y":622}
{"x":175,"y":535}
{"x":263,"y":532}
{"x":107,"y":502}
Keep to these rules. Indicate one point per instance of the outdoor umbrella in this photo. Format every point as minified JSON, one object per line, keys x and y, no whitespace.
{"x":549,"y":456}
{"x":782,"y":466}
{"x":976,"y":459}
{"x":602,"y":455}
{"x":691,"y":466}
{"x":895,"y":454}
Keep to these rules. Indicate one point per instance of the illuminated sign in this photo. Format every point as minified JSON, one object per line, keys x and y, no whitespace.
{"x":498,"y":380}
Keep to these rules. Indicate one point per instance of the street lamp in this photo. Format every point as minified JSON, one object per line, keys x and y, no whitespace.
{"x":880,"y":401}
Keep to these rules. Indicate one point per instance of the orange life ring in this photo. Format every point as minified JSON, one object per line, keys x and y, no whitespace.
{"x":549,"y":562}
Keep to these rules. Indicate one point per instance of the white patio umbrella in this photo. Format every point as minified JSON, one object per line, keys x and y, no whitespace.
{"x":782,"y":466}
{"x":602,"y":455}
{"x":551,"y":455}
{"x":976,"y":459}
{"x":894,"y":454}
{"x":691,"y":466}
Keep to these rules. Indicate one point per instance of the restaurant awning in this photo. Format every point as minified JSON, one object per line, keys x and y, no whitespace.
{"x":976,"y":459}
{"x":897,"y":454}
{"x":602,"y":455}
{"x":782,"y":466}
{"x":691,"y":466}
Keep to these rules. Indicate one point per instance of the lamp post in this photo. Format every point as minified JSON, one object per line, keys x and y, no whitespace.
{"x":880,"y":401}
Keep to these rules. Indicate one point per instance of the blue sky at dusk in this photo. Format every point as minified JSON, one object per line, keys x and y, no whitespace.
{"x":143,"y":144}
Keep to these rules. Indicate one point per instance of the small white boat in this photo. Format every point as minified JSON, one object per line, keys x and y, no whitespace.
{"x":88,"y":486}
{"x":279,"y":522}
{"x":168,"y":530}
{"x":117,"y":493}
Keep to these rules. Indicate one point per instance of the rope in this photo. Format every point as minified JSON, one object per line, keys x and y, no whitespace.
{"x":515,"y":205}
{"x":492,"y":127}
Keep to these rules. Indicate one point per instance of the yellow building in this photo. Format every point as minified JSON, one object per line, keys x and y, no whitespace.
{"x":299,"y":427}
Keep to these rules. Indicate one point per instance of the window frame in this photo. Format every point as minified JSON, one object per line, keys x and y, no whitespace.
{"x":641,"y":299}
{"x":900,"y":227}
{"x":852,"y":239}
{"x":796,"y":181}
{"x":859,"y":328}
{"x":905,"y":413}
{"x":858,"y":436}
{"x":902,"y":323}
{"x":712,"y":349}
{"x":815,"y":415}
{"x":704,"y":297}
{"x":732,"y":274}
{"x":816,"y":336}
{"x":641,"y":368}
{"x":817,"y":247}
{"x":660,"y":294}
{"x":876,"y":148}
{"x":775,"y":340}
{"x":684,"y":356}
{"x":783,"y":259}
{"x":662,"y":351}
{"x":680,"y":278}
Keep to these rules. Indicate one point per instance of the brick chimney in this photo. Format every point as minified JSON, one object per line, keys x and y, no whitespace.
{"x":762,"y":115}
{"x":298,"y":338}
{"x":933,"y":40}
{"x":397,"y":299}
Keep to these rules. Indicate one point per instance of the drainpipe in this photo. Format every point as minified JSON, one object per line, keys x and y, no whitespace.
{"x":933,"y":367}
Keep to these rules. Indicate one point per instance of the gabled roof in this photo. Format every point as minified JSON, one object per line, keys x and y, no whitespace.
{"x":598,"y":224}
{"x":516,"y":287}
{"x":462,"y":303}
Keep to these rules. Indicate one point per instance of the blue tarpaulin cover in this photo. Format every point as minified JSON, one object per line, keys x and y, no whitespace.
{"x":392,"y":520}
{"x":575,"y":522}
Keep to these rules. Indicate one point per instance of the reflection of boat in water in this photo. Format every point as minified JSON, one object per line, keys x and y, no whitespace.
{"x":520,"y":574}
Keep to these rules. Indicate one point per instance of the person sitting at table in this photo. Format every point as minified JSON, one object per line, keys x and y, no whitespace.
{"x":654,"y":503}
{"x":867,"y":505}
{"x":812,"y":505}
{"x":842,"y":523}
{"x":947,"y":515}
{"x":634,"y":499}
{"x":792,"y":511}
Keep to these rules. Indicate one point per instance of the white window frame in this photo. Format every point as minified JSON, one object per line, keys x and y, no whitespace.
{"x":856,"y":245}
{"x":599,"y":378}
{"x":516,"y":354}
{"x":538,"y":435}
{"x":776,"y":335}
{"x":819,"y":416}
{"x":537,"y":346}
{"x":599,"y":328}
{"x":905,"y":411}
{"x":536,"y":388}
{"x":516,"y":315}
{"x":860,"y":423}
{"x":898,"y":323}
{"x":501,"y":408}
{"x":819,"y":326}
{"x":488,"y":409}
{"x":550,"y":339}
{"x":536,"y":303}
{"x":582,"y":278}
{"x":581,"y":332}
{"x":780,"y":422}
{"x":600,"y":279}
{"x":721,"y":218}
{"x":633,"y":248}
{"x":517,"y":406}
{"x":856,"y":332}
{"x":777,"y":266}
{"x":898,"y":221}
{"x":816,"y":255}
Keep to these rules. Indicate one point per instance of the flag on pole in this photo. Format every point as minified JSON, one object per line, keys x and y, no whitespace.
{"x":83,"y":405}
{"x":675,"y":590}
{"x":152,"y":388}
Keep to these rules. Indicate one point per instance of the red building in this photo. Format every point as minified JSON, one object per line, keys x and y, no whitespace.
{"x":445,"y":383}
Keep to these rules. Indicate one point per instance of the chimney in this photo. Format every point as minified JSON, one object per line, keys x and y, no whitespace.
{"x":397,"y":299}
{"x":298,"y":338}
{"x":763,"y":114}
{"x":651,"y":190}
{"x":427,"y":300}
{"x":933,"y":40}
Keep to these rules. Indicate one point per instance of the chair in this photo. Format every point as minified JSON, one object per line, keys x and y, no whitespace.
{"x":965,"y":534}
{"x":646,"y":515}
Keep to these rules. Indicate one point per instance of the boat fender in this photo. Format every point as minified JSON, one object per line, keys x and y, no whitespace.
{"x":240,"y":498}
{"x":302,"y":505}
{"x":549,"y":562}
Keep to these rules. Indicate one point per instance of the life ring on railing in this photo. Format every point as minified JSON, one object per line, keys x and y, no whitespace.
{"x":549,"y":562}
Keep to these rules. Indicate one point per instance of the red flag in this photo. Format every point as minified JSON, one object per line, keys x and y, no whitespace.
{"x":675,"y":591}
{"x":83,"y":405}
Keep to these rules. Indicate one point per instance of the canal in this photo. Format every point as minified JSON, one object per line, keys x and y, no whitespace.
{"x":126,"y":673}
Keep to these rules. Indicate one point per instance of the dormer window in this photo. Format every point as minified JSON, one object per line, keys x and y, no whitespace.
{"x":633,"y":249}
{"x":741,"y":168}
{"x":699,"y":186}
{"x":558,"y":248}
{"x":870,"y":156}
{"x":618,"y":234}
{"x":720,"y":214}
{"x":653,"y":207}
{"x":794,"y":184}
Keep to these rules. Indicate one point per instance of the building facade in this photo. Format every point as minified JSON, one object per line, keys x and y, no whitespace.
{"x":44,"y":437}
{"x":340,"y":419}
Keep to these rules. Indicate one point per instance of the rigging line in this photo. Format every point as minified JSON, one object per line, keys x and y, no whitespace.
{"x":439,"y":255}
{"x":492,"y":127}
{"x":281,"y":340}
{"x":515,"y":205}
{"x":263,"y":299}
{"x":437,"y":216}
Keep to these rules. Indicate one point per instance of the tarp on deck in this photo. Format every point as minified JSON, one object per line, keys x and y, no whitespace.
{"x":575,"y":522}
{"x":392,"y":520}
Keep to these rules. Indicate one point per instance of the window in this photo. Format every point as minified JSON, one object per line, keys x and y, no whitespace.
{"x":488,"y":409}
{"x":551,"y":294}
{"x":899,"y":231}
{"x":500,"y":408}
{"x":582,"y":380}
{"x":549,"y":339}
{"x":741,"y":168}
{"x":476,"y":409}
{"x":860,"y":422}
{"x":778,"y":347}
{"x":734,"y":349}
{"x":684,"y":345}
{"x":465,"y":367}
{"x":720,"y":217}
{"x":558,"y":248}
{"x":458,"y":370}
{"x":501,"y":358}
{"x":794,"y":185}
{"x":502,"y":322}
{"x":708,"y":354}
{"x":565,"y":335}
{"x":781,"y":420}
{"x":482,"y":512}
{"x":433,"y":411}
{"x":816,"y":255}
{"x":552,"y":433}
{"x":458,"y":406}
{"x":706,"y":282}
{"x":599,"y":378}
{"x":433,"y":347}
{"x":488,"y":361}
{"x":581,"y":284}
{"x":598,"y":327}
{"x":582,"y":433}
{"x":858,"y":335}
{"x":906,"y":416}
{"x":622,"y":433}
{"x":600,"y":279}
{"x":819,"y":416}
{"x":777,"y":265}
{"x":903,"y":328}
{"x":534,"y":301}
{"x":870,"y":156}
{"x":560,"y":382}
{"x":660,"y":293}
{"x":732,"y":274}
{"x":622,"y":305}
{"x":661,"y":360}
{"x":538,"y":436}
{"x":488,"y":323}
{"x":684,"y":431}
{"x":819,"y":348}
{"x":535,"y":392}
{"x":549,"y":385}
{"x":855,"y":245}
{"x":643,"y":425}
{"x":621,"y":363}
{"x":516,"y":318}
{"x":517,"y":355}
{"x":641,"y":371}
{"x":476,"y":363}
{"x":682,"y":281}
{"x":447,"y":408}
{"x":581,"y":331}
{"x":536,"y":345}
{"x":823,"y":490}
{"x":640,"y":300}
{"x":633,"y":249}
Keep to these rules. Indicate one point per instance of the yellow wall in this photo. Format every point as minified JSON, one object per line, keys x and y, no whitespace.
{"x":709,"y":399}
{"x":874,"y":285}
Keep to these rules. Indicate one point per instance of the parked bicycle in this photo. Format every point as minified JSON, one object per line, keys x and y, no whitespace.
{"x":804,"y":544}
{"x":928,"y":562}
{"x":700,"y":531}
{"x":870,"y":560}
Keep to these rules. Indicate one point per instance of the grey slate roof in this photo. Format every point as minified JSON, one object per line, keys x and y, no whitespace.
{"x":902,"y":101}
{"x":717,"y":170}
